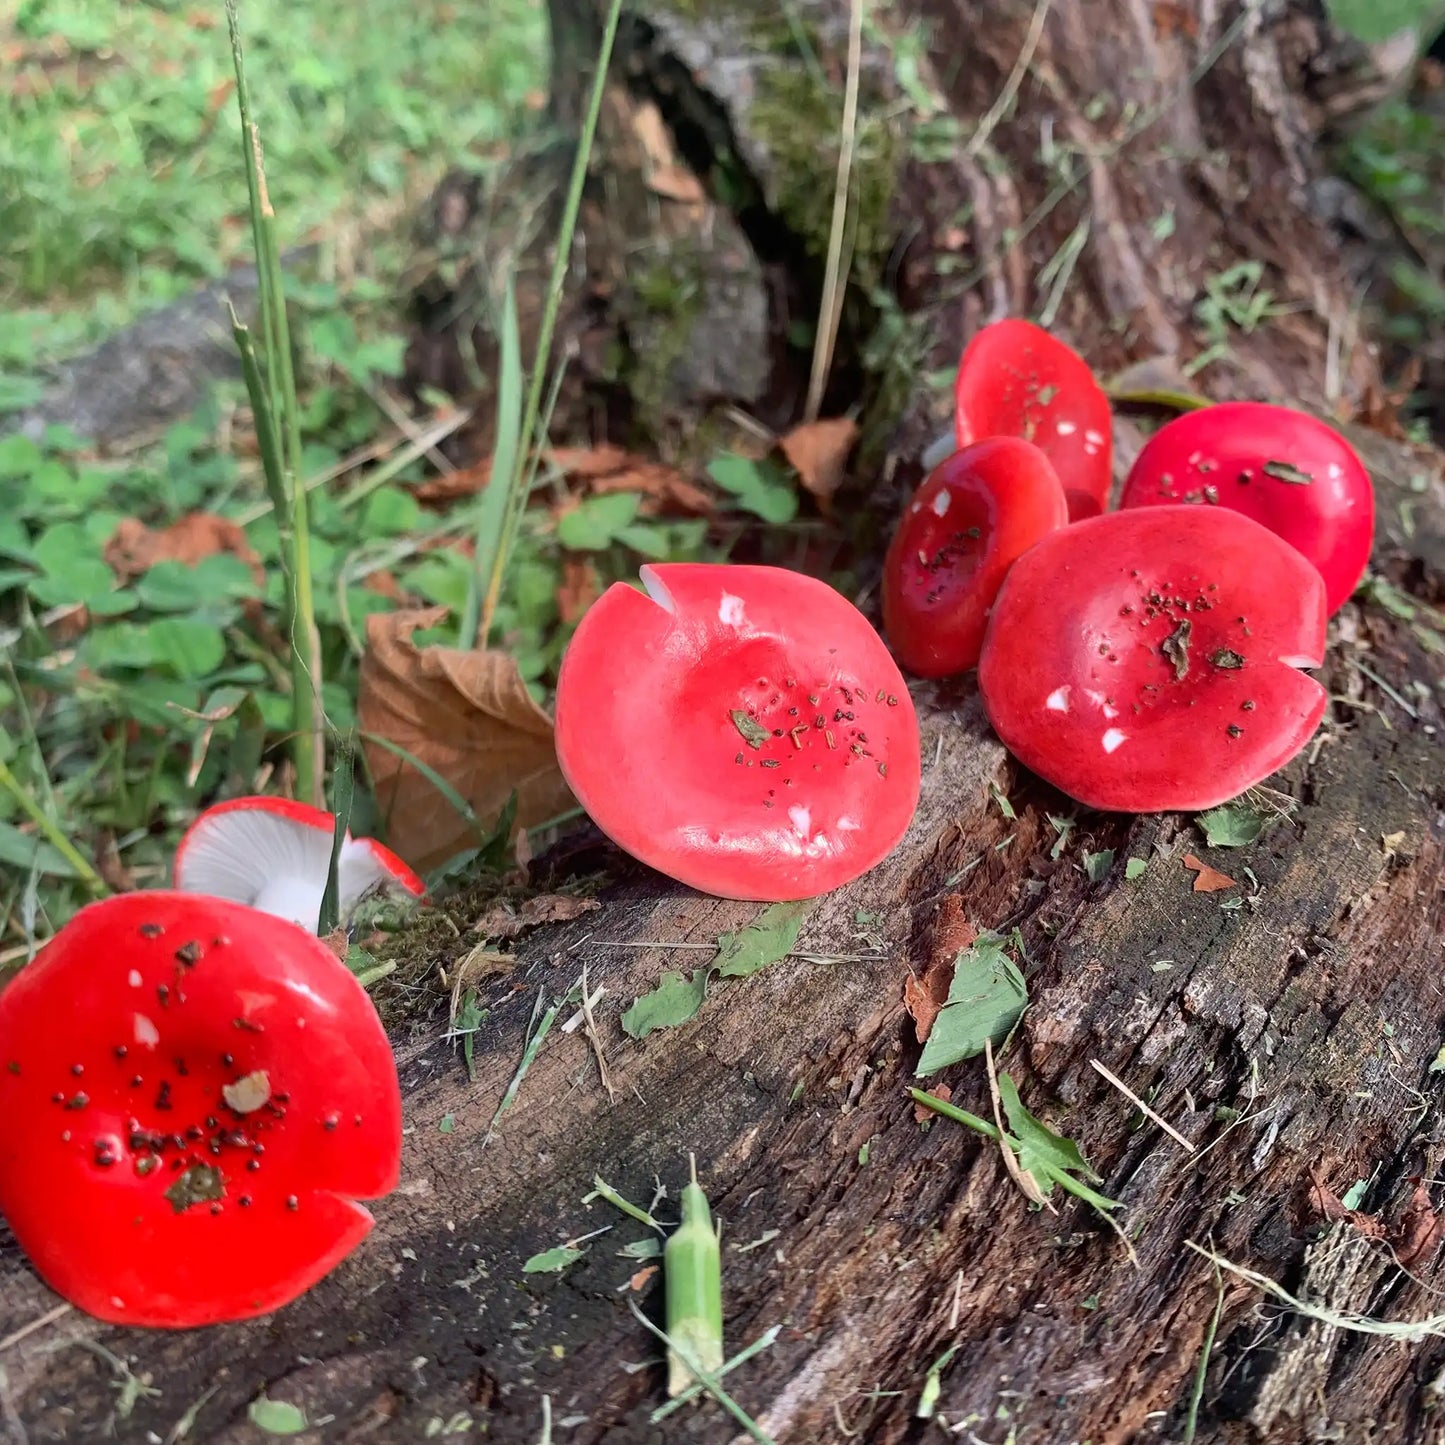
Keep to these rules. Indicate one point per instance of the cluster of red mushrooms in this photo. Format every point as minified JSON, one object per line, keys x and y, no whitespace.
{"x":189,"y":1144}
{"x":746,"y":731}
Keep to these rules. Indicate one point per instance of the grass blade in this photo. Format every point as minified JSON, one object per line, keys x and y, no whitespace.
{"x":494,"y":535}
{"x":51,"y":831}
{"x":343,"y":782}
{"x":513,"y":486}
{"x":283,"y":469}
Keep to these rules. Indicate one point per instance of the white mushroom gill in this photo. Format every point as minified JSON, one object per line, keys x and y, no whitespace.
{"x":655,"y":589}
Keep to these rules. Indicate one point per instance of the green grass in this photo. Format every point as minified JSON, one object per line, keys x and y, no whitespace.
{"x":128,"y":704}
{"x":119,"y":153}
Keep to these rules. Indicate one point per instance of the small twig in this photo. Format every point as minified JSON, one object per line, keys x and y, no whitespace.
{"x":595,"y":1039}
{"x":999,"y":108}
{"x":25,"y":1331}
{"x":954,"y":1312}
{"x":1024,"y":1181}
{"x":834,"y":283}
{"x":414,"y":434}
{"x":1414,"y":1330}
{"x":1387,"y":689}
{"x":1139,"y":1104}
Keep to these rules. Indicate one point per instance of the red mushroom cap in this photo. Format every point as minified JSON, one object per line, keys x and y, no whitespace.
{"x":1284,"y":468}
{"x":1017,"y":380}
{"x":741,"y":729}
{"x":193,"y":1094}
{"x":274,"y":854}
{"x":971,"y":518}
{"x":1147,"y":660}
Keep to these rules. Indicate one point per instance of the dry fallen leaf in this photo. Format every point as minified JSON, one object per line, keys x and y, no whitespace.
{"x":338,"y":942}
{"x":384,"y":584}
{"x":665,"y":176}
{"x":466,"y":715}
{"x":600,"y":470}
{"x":1325,"y":1203}
{"x":925,"y":996}
{"x":466,"y":482}
{"x":1417,"y":1233}
{"x":641,"y":1277}
{"x":504,"y":921}
{"x":1208,"y":880}
{"x":818,"y":452}
{"x":135,"y":548}
{"x":942,"y":1093}
{"x":1171,"y":19}
{"x":577,"y":590}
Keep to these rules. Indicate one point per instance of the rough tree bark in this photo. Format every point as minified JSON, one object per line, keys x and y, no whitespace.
{"x":1291,"y":1037}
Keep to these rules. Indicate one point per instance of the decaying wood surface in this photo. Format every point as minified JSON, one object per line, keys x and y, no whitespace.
{"x":1287,"y":1026}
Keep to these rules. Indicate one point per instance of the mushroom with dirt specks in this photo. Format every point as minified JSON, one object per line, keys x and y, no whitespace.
{"x":1015,"y":379}
{"x":213,"y":1042}
{"x":1284,"y":468}
{"x":1148,"y":660}
{"x":741,"y":729}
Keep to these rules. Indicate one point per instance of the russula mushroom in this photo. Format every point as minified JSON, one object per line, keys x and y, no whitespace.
{"x":273,"y":854}
{"x":193,"y":1095}
{"x":970,"y":519}
{"x":742,"y":729}
{"x":1284,"y":468}
{"x":1148,"y":660}
{"x":1017,"y":380}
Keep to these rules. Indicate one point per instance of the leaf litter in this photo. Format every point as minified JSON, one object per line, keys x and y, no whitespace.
{"x":1207,"y":879}
{"x":469,"y":718}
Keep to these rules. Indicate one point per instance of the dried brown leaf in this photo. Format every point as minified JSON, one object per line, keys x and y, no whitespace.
{"x":939,"y":1091}
{"x":665,"y":176}
{"x":1207,"y":879}
{"x":641,"y":1277}
{"x":1417,"y":1233}
{"x":504,"y":921}
{"x":338,"y":942}
{"x":384,"y":584}
{"x":818,"y":452}
{"x":924,"y":996}
{"x":600,"y":470}
{"x":465,"y":482}
{"x":578,"y":588}
{"x":135,"y":548}
{"x":466,"y":715}
{"x":1171,"y":19}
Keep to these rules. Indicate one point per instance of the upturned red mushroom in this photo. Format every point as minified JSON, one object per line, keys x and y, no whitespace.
{"x":742,"y":729}
{"x":970,"y":519}
{"x":1017,"y":380}
{"x":193,"y":1095}
{"x":1149,"y":660}
{"x":1284,"y":468}
{"x":274,"y":854}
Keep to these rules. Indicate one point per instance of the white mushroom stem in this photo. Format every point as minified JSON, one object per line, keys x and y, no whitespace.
{"x":939,"y":450}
